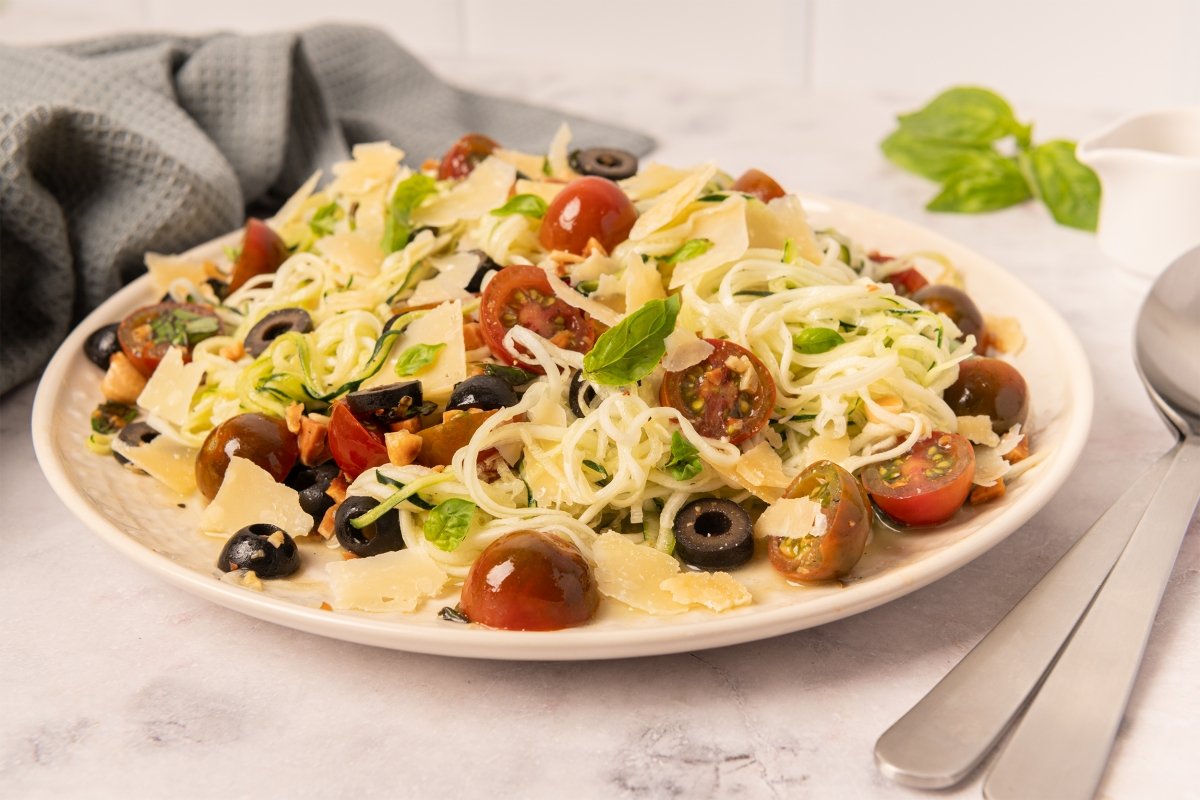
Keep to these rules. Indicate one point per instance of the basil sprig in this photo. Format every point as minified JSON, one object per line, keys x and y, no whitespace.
{"x":814,"y":341}
{"x":631,"y":349}
{"x":953,"y":139}
{"x":417,"y":359}
{"x":448,"y":524}
{"x":409,"y":194}
{"x":684,"y":462}
{"x":527,"y":205}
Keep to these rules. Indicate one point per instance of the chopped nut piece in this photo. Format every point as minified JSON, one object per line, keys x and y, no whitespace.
{"x":986,"y":494}
{"x":326,"y":526}
{"x":592,"y":247}
{"x":122,"y":383}
{"x":292,"y":417}
{"x":233,"y":351}
{"x":412,"y":425}
{"x":402,"y":447}
{"x":337,"y":489}
{"x":313,"y":442}
{"x":1018,"y":453}
{"x":473,"y":336}
{"x":430,"y":165}
{"x":325,"y":606}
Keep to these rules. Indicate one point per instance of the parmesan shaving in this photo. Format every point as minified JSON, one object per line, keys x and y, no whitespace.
{"x":684,"y":349}
{"x":978,"y":429}
{"x":596,"y":310}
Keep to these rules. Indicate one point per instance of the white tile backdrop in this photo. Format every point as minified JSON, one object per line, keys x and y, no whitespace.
{"x":1117,"y":54}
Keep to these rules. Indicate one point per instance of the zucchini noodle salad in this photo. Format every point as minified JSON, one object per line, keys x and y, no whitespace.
{"x":519,"y":388}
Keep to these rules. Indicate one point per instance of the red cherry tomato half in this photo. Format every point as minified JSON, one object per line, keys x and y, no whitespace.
{"x":848,"y":517}
{"x":530,"y":581}
{"x":146,"y":334}
{"x":587,"y":208}
{"x":464,"y":155}
{"x":521,"y":295}
{"x":262,"y":253}
{"x":926,"y":485}
{"x":728,"y":395}
{"x":759,"y":184}
{"x":907,"y":282}
{"x":355,"y":446}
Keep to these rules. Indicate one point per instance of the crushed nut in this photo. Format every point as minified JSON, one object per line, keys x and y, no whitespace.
{"x":313,"y":442}
{"x":337,"y":488}
{"x":402,"y":447}
{"x":593,"y":246}
{"x":326,"y":526}
{"x":412,"y":425}
{"x":122,"y":383}
{"x":1018,"y":453}
{"x":292,"y":417}
{"x":473,"y":336}
{"x":233,"y":351}
{"x":986,"y":494}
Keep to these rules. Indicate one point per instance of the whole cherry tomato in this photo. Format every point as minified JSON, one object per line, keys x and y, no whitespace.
{"x":835,"y":551}
{"x":261,"y":254}
{"x":990,"y":387}
{"x":728,"y":395}
{"x":257,"y":437}
{"x":926,"y":485}
{"x":146,"y":334}
{"x":587,"y":208}
{"x":959,"y":307}
{"x":759,"y":184}
{"x":521,"y":295}
{"x":355,"y":446}
{"x":530,"y":581}
{"x":464,"y":155}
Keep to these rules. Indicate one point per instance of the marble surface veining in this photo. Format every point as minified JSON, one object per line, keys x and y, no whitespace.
{"x":118,"y":685}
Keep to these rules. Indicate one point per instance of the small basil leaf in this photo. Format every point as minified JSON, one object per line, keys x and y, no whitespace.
{"x":448,"y":524}
{"x":631,"y":349}
{"x":684,"y":462}
{"x":967,"y":115}
{"x":527,"y":205}
{"x":513,"y":376}
{"x":324,"y":218}
{"x":814,"y":341}
{"x":690,"y":249}
{"x":417,"y":358}
{"x":409,"y":194}
{"x":931,"y":158}
{"x":1068,"y":188}
{"x":994,"y":184}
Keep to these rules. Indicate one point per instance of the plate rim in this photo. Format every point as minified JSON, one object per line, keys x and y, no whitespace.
{"x":579,"y":644}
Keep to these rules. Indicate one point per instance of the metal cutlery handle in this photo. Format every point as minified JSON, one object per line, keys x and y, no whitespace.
{"x":1060,"y":748}
{"x":947,"y":734}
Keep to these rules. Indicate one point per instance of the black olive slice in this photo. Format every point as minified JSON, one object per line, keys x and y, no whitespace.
{"x":312,"y":483}
{"x":274,"y":325}
{"x":579,"y":394}
{"x":486,"y":265}
{"x":381,"y":536}
{"x":135,"y":434}
{"x":486,"y":392}
{"x":386,"y":404}
{"x":605,"y":162}
{"x":252,"y":548}
{"x":712,"y":533}
{"x":101,"y":345}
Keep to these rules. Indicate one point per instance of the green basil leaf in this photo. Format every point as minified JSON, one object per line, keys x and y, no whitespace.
{"x":604,"y":478}
{"x":994,"y":184}
{"x":324,"y":218}
{"x":182,"y":327}
{"x":689,"y":250}
{"x":527,"y":205}
{"x":965,"y":114}
{"x":631,"y":349}
{"x":110,"y":418}
{"x":513,"y":376}
{"x":448,"y":524}
{"x":814,"y":341}
{"x":1068,"y":188}
{"x":409,"y":194}
{"x":684,"y":462}
{"x":417,"y":358}
{"x":931,"y":158}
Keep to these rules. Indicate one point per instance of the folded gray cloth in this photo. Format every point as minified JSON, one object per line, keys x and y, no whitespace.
{"x":116,"y":146}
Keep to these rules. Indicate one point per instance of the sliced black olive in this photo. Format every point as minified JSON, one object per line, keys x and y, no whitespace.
{"x":386,"y":404}
{"x":312,"y":483}
{"x":485,"y":392}
{"x":274,"y":325}
{"x":135,"y":434}
{"x":486,"y":265}
{"x":100,"y":346}
{"x":579,"y":394}
{"x":605,"y":162}
{"x":220,"y":288}
{"x":262,"y":547}
{"x":712,"y":533}
{"x":381,"y":536}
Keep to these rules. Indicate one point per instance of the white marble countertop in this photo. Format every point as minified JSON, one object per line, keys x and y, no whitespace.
{"x":118,"y":685}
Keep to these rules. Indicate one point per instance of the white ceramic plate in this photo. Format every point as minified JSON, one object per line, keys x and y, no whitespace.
{"x":146,"y":522}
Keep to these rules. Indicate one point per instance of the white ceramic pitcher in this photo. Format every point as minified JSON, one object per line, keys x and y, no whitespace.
{"x":1149,"y":168}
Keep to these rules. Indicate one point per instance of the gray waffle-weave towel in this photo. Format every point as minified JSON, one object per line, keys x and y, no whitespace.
{"x":116,"y":146}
